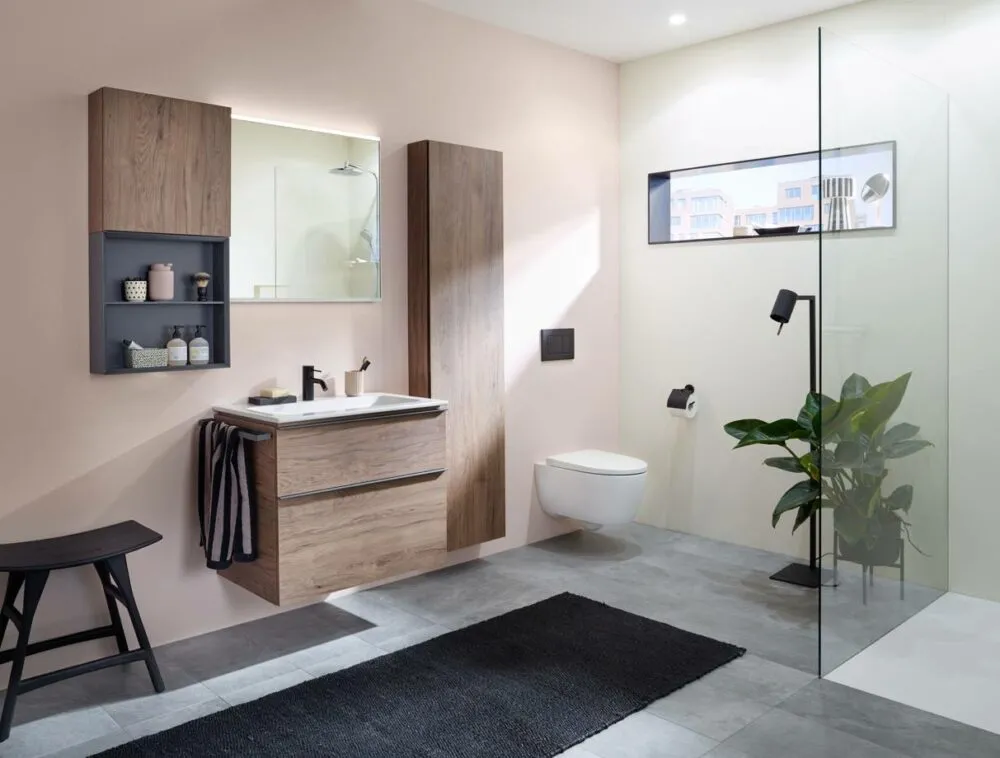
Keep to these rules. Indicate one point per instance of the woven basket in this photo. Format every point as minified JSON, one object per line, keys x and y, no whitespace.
{"x":150,"y":357}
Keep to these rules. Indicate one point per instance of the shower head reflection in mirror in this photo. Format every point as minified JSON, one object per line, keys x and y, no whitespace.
{"x":305,"y":214}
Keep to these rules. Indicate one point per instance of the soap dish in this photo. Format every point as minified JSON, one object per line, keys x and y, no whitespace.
{"x":284,"y":399}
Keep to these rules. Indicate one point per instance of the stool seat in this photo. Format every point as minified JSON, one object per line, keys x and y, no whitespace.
{"x":28,"y":565}
{"x":77,"y":549}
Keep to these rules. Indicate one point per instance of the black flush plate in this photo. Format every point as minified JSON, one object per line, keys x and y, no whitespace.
{"x":558,"y":345}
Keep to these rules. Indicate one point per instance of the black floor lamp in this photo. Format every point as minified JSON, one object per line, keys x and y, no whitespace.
{"x":798,"y":573}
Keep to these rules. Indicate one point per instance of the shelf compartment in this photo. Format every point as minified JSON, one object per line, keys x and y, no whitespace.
{"x":117,"y":255}
{"x":166,"y":302}
{"x":165,"y":369}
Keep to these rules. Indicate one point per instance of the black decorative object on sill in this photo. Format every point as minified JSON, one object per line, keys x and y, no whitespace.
{"x":558,"y":344}
{"x":775,"y":231}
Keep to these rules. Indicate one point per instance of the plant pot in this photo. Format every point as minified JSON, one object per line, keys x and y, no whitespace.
{"x":885,"y":552}
{"x":134,"y":291}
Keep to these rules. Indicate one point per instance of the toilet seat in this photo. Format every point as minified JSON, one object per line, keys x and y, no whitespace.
{"x":598,"y":462}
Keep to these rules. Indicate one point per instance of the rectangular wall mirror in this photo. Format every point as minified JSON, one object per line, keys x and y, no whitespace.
{"x":305,"y":215}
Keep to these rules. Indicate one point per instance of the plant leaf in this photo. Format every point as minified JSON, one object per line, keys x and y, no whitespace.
{"x":837,"y":417}
{"x":800,"y":494}
{"x":803,"y":516}
{"x":899,"y":433}
{"x":776,"y":433}
{"x":809,"y":410}
{"x":874,"y":465}
{"x":882,"y":401}
{"x":850,"y":524}
{"x":788,"y":463}
{"x":826,"y":461}
{"x":901,"y":499}
{"x":808,"y":464}
{"x":849,"y":454}
{"x":740,"y":429}
{"x":906,"y":447}
{"x":873,"y":503}
{"x":856,"y":386}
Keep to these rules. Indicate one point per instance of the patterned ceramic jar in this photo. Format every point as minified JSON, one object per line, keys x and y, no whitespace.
{"x":135,"y":290}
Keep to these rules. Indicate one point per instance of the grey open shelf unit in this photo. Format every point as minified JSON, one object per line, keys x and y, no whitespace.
{"x":114,"y":256}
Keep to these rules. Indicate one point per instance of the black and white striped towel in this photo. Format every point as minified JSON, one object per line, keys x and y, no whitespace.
{"x":227,"y":506}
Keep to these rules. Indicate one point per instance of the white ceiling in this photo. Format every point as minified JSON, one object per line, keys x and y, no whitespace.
{"x":622,"y":30}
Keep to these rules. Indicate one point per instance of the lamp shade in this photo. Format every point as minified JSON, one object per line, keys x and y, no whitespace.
{"x":784,"y":304}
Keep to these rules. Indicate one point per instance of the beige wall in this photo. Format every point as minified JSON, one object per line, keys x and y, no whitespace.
{"x":921,"y":298}
{"x":80,"y":451}
{"x":698,"y":312}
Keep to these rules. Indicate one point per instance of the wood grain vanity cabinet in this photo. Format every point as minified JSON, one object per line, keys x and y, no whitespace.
{"x":159,"y":165}
{"x":456,"y":317}
{"x":345,"y":503}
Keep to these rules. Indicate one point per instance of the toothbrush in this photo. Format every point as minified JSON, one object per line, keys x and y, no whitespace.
{"x":365,"y":363}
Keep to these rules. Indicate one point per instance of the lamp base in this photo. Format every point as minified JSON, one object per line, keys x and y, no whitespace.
{"x":803,"y":575}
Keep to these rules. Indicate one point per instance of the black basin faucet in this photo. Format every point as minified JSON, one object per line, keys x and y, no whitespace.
{"x":309,"y":381}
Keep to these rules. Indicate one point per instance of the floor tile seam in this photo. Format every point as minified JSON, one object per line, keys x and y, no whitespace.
{"x":670,"y":721}
{"x":783,"y":709}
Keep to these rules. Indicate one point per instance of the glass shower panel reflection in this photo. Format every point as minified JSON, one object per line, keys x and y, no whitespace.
{"x":324,"y":245}
{"x":884,"y":350}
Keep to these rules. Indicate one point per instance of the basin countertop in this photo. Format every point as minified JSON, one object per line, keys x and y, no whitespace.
{"x":331,"y":408}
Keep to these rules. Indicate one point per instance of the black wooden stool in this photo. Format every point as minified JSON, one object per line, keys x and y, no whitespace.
{"x":29,"y":564}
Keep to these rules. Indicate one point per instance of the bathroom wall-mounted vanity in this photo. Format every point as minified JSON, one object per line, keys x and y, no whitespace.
{"x":349,"y":491}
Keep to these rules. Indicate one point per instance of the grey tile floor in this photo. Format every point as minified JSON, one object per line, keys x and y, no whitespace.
{"x":765,"y":705}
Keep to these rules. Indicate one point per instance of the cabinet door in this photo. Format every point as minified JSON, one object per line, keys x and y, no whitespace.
{"x":159,"y":164}
{"x":349,"y":538}
{"x":328,"y":456}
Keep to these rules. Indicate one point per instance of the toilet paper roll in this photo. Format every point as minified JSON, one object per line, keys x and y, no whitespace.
{"x":683,"y":403}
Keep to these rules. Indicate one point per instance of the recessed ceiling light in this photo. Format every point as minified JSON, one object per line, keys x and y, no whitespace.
{"x":678,"y":19}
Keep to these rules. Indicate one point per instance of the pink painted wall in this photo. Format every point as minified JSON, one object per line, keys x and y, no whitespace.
{"x":80,"y":451}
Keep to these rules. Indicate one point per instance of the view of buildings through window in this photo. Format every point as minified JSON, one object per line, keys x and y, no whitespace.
{"x":703,"y":214}
{"x":732,"y":200}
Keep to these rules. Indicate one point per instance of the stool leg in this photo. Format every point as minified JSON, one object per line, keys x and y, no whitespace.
{"x":34,"y":583}
{"x":119,"y":570}
{"x":116,"y":616}
{"x":14,"y":582}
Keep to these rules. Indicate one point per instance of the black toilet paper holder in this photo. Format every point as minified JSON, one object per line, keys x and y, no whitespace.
{"x":679,"y":399}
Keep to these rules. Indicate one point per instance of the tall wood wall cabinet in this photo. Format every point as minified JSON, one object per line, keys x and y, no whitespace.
{"x":456,"y":323}
{"x":159,"y":193}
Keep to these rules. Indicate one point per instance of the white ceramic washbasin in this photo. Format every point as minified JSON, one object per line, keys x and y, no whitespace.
{"x":375,"y":403}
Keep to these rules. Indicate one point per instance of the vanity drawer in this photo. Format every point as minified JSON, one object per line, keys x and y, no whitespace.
{"x":348,"y":538}
{"x":314,"y":459}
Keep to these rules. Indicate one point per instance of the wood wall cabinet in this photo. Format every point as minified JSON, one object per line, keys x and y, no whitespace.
{"x":159,"y":193}
{"x":159,"y":165}
{"x":456,"y":323}
{"x":341,"y":504}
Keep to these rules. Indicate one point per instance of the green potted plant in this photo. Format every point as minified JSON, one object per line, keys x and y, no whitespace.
{"x":850,"y":444}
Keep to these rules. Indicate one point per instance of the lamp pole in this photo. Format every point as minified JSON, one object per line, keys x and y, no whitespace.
{"x":797,"y":573}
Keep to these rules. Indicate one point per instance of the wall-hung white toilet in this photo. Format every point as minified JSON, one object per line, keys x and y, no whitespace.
{"x":592,"y":486}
